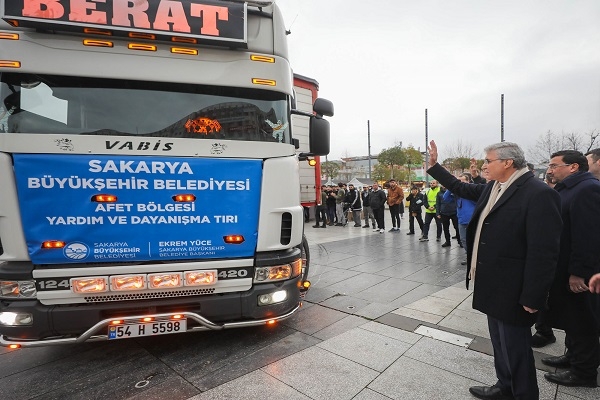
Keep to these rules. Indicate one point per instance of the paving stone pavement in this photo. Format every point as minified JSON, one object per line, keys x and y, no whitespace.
{"x":387,"y":317}
{"x":378,"y":289}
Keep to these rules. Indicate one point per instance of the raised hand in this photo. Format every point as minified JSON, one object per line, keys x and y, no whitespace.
{"x":433,"y":153}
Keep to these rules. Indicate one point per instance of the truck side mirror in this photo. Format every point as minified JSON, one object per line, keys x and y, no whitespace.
{"x":323,"y":107}
{"x":319,"y":136}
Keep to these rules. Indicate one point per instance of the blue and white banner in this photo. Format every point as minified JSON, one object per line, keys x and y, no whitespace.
{"x":56,"y":196}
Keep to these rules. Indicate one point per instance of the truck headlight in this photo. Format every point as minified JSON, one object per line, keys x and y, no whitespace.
{"x":278,"y":272}
{"x":17,"y":289}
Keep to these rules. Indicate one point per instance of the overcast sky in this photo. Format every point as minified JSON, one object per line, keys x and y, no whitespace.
{"x":387,"y":61}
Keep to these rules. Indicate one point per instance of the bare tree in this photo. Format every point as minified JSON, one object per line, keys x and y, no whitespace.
{"x":550,"y":142}
{"x":458,"y":149}
{"x":573,"y":141}
{"x":545,"y":145}
{"x":591,"y":138}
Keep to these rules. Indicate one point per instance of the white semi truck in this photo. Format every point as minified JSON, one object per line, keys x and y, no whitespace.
{"x":148,"y":169}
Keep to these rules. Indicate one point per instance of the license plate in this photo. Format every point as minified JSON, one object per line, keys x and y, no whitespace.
{"x":147,"y":329}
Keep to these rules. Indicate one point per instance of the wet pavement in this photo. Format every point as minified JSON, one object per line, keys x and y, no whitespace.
{"x":387,"y":317}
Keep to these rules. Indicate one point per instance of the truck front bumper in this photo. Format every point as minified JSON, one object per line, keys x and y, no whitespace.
{"x":57,"y":325}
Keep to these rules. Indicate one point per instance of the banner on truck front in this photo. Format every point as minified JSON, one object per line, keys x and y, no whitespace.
{"x":125,"y":208}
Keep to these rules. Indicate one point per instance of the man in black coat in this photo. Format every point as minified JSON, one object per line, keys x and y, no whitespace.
{"x":512,"y":251}
{"x":571,"y":304}
{"x":378,"y":199}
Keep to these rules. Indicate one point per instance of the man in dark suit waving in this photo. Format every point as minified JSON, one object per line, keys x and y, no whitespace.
{"x":513,"y":245}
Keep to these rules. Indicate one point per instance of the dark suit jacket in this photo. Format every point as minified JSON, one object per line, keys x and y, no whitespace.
{"x":518,"y":245}
{"x":579,"y":253}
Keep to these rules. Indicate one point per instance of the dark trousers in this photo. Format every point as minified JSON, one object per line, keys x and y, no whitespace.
{"x":378,"y":213}
{"x":446,"y":225}
{"x":395,"y":213}
{"x":411,"y":221}
{"x":438,"y":224}
{"x":321,"y":214}
{"x":331,"y":213}
{"x":583,"y":349}
{"x":542,"y":323}
{"x":513,"y":359}
{"x":582,"y":352}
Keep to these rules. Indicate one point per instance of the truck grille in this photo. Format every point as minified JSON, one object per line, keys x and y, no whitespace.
{"x":145,"y":296}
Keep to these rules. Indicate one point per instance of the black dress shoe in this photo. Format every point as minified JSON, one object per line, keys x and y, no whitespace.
{"x":316,"y":226}
{"x":488,"y":392}
{"x":446,"y":244}
{"x":568,"y":378}
{"x":539,"y":340}
{"x":557,"y":362}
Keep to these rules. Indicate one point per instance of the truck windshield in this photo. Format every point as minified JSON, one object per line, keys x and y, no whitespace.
{"x":91,"y":106}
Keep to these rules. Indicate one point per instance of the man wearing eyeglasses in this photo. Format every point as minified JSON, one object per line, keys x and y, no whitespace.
{"x":571,"y":303}
{"x":512,"y":252}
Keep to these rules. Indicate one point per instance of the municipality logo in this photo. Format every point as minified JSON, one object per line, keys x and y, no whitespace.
{"x":76,"y":251}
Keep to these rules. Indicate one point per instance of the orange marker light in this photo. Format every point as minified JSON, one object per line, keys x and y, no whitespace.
{"x":183,"y":40}
{"x":267,"y":82}
{"x":104,"y":198}
{"x":97,"y":43}
{"x":183,"y":50}
{"x":10,"y":64}
{"x":312,"y":162}
{"x":270,"y":322}
{"x":9,"y":36}
{"x":53,"y":244}
{"x":234,"y":239}
{"x":14,"y":346}
{"x":116,"y":322}
{"x":177,"y":316}
{"x":97,"y":31}
{"x":184,"y":198}
{"x":147,"y":319}
{"x":267,"y":59}
{"x":141,"y":46}
{"x":138,"y":35}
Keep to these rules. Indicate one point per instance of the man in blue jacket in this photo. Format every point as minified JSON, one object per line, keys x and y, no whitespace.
{"x":513,"y":242}
{"x":464,"y":211}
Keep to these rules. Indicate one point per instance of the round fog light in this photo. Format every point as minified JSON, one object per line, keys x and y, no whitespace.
{"x":15,"y":319}
{"x":279,"y":296}
{"x":264,"y":299}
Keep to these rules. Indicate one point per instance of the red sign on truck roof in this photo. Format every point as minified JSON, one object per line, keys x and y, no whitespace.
{"x":204,"y":20}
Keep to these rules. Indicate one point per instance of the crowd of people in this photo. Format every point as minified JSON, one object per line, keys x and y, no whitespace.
{"x":344,"y":202}
{"x":530,"y":248}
